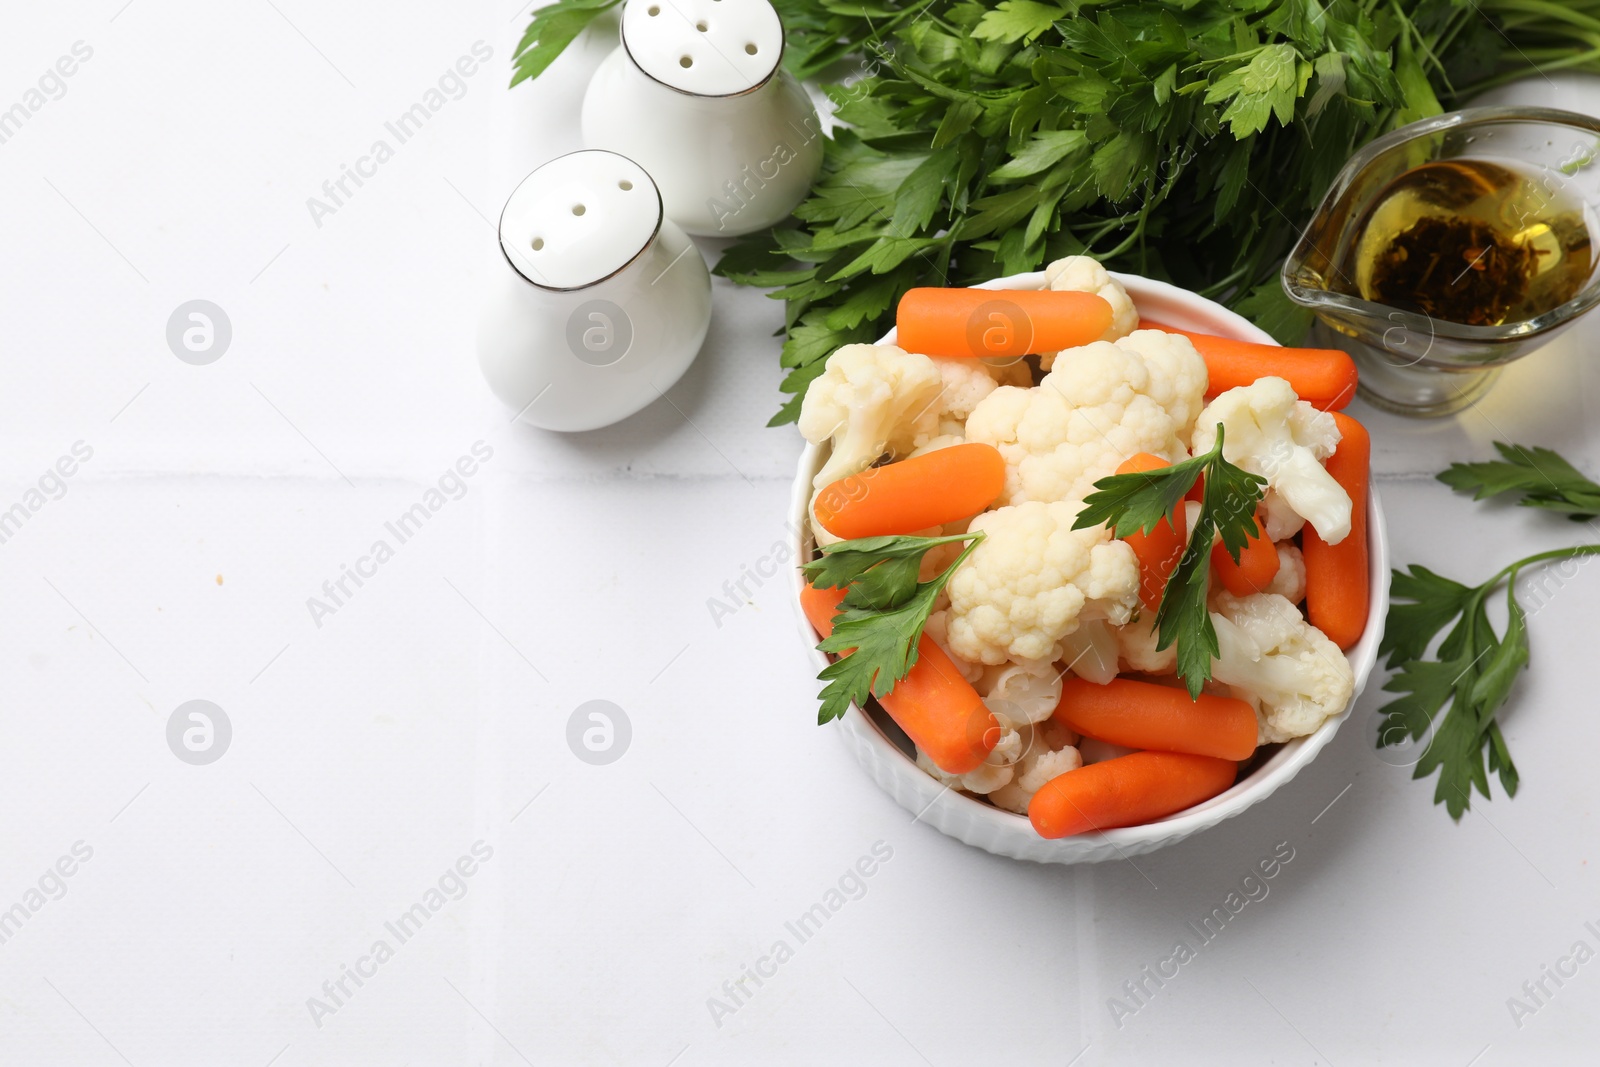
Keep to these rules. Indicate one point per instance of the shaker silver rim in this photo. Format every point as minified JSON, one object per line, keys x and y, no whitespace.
{"x":500,"y":232}
{"x":783,"y":46}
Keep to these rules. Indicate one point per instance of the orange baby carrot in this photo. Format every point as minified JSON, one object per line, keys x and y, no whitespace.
{"x":1158,"y":550}
{"x":913,"y":494}
{"x":1337,"y":597}
{"x":1257,"y":566}
{"x":998,"y":322}
{"x":1144,"y":715}
{"x":820,"y":606}
{"x":936,"y":707}
{"x":1127,"y":791}
{"x":1324,"y":376}
{"x":941,"y":712}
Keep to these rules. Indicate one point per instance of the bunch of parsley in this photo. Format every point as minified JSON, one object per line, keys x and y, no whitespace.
{"x":1187,"y":140}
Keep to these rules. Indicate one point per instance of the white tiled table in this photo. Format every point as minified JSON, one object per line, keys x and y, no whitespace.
{"x":428,"y":712}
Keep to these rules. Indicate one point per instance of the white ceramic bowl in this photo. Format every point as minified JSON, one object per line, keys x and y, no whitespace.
{"x":1005,"y":834}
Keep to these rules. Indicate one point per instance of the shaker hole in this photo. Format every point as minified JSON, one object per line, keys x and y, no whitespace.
{"x":702,"y":26}
{"x":538,"y":244}
{"x":624,"y":185}
{"x":685,"y":62}
{"x":653,"y":11}
{"x":578,"y":209}
{"x":750,"y":49}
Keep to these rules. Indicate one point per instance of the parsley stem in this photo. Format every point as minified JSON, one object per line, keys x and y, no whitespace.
{"x":1570,"y":552}
{"x":1558,"y":12}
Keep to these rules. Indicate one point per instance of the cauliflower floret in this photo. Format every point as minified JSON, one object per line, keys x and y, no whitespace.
{"x":994,"y":772}
{"x":1035,"y":772}
{"x":963,"y":383}
{"x":1178,"y":376}
{"x":1290,"y":581}
{"x":1091,"y":651}
{"x":1268,"y":651}
{"x":1048,"y":753}
{"x":1031,"y":578}
{"x":1008,"y":370}
{"x":877,"y":399}
{"x":1136,"y":644}
{"x":861,"y":401}
{"x":1021,"y":694}
{"x":1083,"y":274}
{"x":1279,"y":520}
{"x":1273,"y":433}
{"x":934,"y":628}
{"x":1088,"y":415}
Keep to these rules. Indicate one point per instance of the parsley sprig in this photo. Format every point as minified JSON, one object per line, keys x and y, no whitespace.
{"x":882,"y":615}
{"x":1141,"y":500}
{"x":1458,"y":692}
{"x":1539,"y":476}
{"x":1466,"y":681}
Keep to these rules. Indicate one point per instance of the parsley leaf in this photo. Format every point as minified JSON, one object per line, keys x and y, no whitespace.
{"x":1264,"y":88}
{"x":1433,"y":601}
{"x":1183,"y":618}
{"x":1542,"y":477}
{"x":1017,"y":20}
{"x":1429,"y":687}
{"x":1140,"y":500}
{"x":550,"y":30}
{"x":876,"y":572}
{"x":882,"y":615}
{"x":1457,"y":695}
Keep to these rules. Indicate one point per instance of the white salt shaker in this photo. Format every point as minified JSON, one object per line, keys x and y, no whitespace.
{"x":604,"y":301}
{"x":696,"y":94}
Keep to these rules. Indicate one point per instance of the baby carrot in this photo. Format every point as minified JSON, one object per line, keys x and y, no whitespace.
{"x":1257,"y":566}
{"x":1336,"y":575}
{"x":998,"y":322}
{"x":913,"y":494}
{"x":820,"y":606}
{"x":1145,"y":715}
{"x":1160,"y":549}
{"x":941,"y":712}
{"x":1324,"y":376}
{"x":936,"y":707}
{"x":1127,"y":791}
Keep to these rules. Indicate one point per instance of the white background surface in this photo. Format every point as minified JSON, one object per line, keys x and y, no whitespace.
{"x":430,"y":711}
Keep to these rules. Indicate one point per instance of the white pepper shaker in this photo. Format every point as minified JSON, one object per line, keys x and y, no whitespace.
{"x":604,"y":302}
{"x":697,"y":95}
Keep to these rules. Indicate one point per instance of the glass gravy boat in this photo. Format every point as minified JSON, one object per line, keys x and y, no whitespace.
{"x":1411,"y":362}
